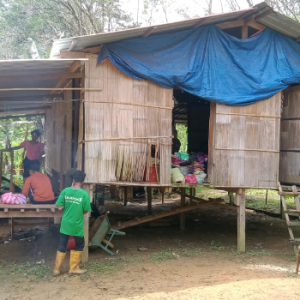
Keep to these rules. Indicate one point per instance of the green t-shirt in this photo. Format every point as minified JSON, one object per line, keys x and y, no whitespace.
{"x":75,"y":203}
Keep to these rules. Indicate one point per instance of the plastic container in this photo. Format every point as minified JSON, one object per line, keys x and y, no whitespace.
{"x":153,"y":172}
{"x":71,"y":243}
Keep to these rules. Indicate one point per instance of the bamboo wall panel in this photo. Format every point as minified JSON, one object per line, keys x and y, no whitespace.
{"x":244,"y":144}
{"x":289,"y":170}
{"x":59,"y":135}
{"x":114,"y":117}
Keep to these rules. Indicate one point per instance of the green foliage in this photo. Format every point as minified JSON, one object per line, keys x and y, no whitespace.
{"x":182,"y":136}
{"x":26,"y":23}
{"x":13,"y":132}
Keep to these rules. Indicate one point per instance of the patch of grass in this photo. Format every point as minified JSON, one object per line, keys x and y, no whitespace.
{"x":190,"y":251}
{"x":131,"y":259}
{"x":216,"y":245}
{"x":293,"y":258}
{"x":163,"y":255}
{"x":39,"y":272}
{"x":259,"y":253}
{"x":104,"y":267}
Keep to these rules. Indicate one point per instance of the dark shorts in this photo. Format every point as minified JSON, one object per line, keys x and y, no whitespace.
{"x":63,"y":242}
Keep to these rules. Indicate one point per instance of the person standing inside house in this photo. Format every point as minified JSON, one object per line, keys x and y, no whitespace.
{"x":176,"y":144}
{"x":38,"y":186}
{"x":34,"y":151}
{"x":75,"y":202}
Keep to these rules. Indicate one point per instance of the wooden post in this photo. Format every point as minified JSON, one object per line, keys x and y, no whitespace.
{"x":231,"y":198}
{"x":12,"y":187}
{"x":267,"y":192}
{"x":163,"y":195}
{"x":85,"y":253}
{"x":149,"y":200}
{"x":244,"y":31}
{"x":12,"y":228}
{"x":182,"y":215}
{"x":241,"y":220}
{"x":1,"y":166}
{"x":125,"y":195}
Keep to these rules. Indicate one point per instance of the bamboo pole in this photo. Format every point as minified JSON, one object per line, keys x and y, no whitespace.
{"x":257,"y":150}
{"x":51,"y":89}
{"x":129,"y":103}
{"x":125,"y":138}
{"x":1,"y":166}
{"x":12,"y":188}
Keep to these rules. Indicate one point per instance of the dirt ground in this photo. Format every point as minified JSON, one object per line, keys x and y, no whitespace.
{"x":199,"y":263}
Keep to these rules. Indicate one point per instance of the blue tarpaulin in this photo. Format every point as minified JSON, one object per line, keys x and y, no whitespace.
{"x":209,"y":63}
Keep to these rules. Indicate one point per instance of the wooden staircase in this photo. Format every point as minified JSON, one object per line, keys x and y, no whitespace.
{"x":290,"y":191}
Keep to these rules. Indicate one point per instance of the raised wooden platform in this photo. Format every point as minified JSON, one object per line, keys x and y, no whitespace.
{"x":28,"y":211}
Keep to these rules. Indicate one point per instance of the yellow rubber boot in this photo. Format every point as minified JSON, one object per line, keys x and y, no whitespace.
{"x":60,"y":256}
{"x":75,"y":259}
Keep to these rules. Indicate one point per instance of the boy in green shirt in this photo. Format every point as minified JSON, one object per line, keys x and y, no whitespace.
{"x":75,"y":202}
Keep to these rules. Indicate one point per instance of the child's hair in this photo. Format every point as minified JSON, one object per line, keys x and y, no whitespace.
{"x":37,"y":132}
{"x":34,"y":166}
{"x":78,"y":176}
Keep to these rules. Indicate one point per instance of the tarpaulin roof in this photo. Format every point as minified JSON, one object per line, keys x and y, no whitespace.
{"x":211,"y":64}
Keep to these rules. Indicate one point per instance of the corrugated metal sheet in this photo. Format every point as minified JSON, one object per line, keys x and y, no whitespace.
{"x":29,"y":74}
{"x":98,"y":39}
{"x":273,"y":20}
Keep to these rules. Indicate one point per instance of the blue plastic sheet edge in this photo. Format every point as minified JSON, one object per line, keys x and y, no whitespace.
{"x":210,"y":63}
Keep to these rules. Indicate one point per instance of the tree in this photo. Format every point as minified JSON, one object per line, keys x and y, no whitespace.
{"x":24,"y":22}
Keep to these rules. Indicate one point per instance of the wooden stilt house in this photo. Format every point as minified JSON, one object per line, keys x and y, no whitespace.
{"x":113,"y":126}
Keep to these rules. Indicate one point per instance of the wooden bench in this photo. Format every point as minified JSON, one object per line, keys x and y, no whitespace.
{"x":28,"y":211}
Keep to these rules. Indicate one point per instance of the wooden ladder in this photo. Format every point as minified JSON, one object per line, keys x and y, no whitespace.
{"x":290,"y":191}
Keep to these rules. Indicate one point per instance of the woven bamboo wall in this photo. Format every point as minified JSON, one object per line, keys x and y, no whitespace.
{"x":111,"y":128}
{"x":290,"y":137}
{"x":59,"y":135}
{"x":244,"y":144}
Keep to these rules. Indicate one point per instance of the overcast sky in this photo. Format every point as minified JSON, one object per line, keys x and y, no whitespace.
{"x":193,"y":8}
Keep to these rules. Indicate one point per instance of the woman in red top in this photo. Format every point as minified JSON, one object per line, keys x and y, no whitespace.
{"x":34,"y":151}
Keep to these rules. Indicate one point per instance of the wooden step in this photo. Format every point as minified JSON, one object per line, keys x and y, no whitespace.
{"x":293,"y":224}
{"x":292,"y":211}
{"x":295,"y":241}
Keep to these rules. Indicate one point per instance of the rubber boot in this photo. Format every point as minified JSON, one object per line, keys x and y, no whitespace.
{"x":75,"y":259}
{"x":60,"y":256}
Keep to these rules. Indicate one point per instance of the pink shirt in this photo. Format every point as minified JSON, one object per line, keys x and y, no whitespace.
{"x":33,"y":151}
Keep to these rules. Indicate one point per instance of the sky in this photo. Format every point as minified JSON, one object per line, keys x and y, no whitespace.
{"x":189,"y":8}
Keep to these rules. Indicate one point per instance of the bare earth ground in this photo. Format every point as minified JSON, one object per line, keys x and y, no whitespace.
{"x":200,"y":263}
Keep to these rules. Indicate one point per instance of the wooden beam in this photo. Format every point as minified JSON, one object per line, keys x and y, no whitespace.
{"x":92,"y":50}
{"x":20,"y":110}
{"x":21,"y":116}
{"x":244,"y":31}
{"x":72,"y":54}
{"x":149,"y":200}
{"x":73,"y":44}
{"x":255,"y":25}
{"x":182,"y":215}
{"x":41,"y":77}
{"x":231,"y":24}
{"x":241,"y":222}
{"x":200,"y":22}
{"x":148,"y":31}
{"x":85,"y":253}
{"x":73,"y":68}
